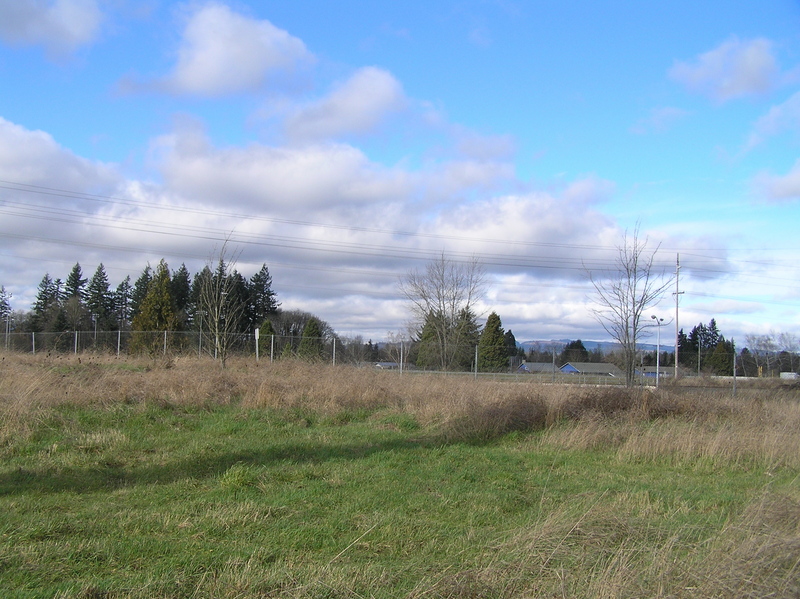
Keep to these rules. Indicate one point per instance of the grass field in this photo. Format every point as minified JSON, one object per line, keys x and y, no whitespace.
{"x":174,"y":478}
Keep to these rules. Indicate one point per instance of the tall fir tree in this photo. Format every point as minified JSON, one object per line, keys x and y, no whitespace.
{"x":47,"y":304}
{"x":75,"y":285}
{"x":492,"y":350}
{"x":263,"y":300}
{"x":157,"y":310}
{"x":122,"y":303}
{"x":139,"y":291}
{"x":182,"y":294}
{"x":99,"y":299}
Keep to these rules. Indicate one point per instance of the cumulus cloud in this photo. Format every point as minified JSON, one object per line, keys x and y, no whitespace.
{"x":780,"y":118}
{"x":311,"y":177}
{"x":734,"y":68}
{"x":355,"y":107}
{"x":59,"y":25}
{"x":223,"y":52}
{"x":780,"y":188}
{"x":35,"y":158}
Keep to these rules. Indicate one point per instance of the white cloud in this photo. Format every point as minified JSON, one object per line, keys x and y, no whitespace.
{"x":780,"y":118}
{"x":357,"y":106}
{"x":59,"y":25}
{"x":313,"y":177}
{"x":223,"y":52}
{"x":34,"y":158}
{"x":732,"y":69}
{"x":780,"y":188}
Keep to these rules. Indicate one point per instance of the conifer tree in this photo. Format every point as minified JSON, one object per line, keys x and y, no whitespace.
{"x":122,"y":300}
{"x":312,"y":345}
{"x":99,"y":299}
{"x":263,"y":302}
{"x":182,"y":294}
{"x":75,"y":284}
{"x":492,"y":351}
{"x":140,"y":290}
{"x":156,"y":312}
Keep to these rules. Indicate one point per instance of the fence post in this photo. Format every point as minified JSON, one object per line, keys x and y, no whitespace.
{"x":165,"y":342}
{"x":334,"y":351}
{"x":33,"y":342}
{"x":256,"y":333}
{"x":76,"y":343}
{"x":119,"y":340}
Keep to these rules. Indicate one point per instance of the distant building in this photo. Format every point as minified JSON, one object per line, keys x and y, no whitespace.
{"x":592,"y":368}
{"x":650,"y":371}
{"x":537,"y":367}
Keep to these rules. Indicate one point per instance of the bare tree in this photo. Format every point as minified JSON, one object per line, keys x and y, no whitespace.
{"x":625,"y":292}
{"x":220,"y":312}
{"x":441,"y":297}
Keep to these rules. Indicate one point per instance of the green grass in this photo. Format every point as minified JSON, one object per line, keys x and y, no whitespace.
{"x":159,"y":501}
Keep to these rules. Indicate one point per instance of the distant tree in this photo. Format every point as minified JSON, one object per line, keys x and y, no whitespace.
{"x":47,"y":304}
{"x":182,"y":294}
{"x":5,"y":304}
{"x":574,"y":351}
{"x":427,"y":349}
{"x":492,"y":349}
{"x":262,"y":299}
{"x":139,"y":291}
{"x":442,"y":299}
{"x":511,"y":344}
{"x":121,"y":299}
{"x":624,"y":292}
{"x":156,"y":312}
{"x":720,"y":360}
{"x":75,"y":284}
{"x":100,"y":300}
{"x":312,"y":344}
{"x":220,"y":303}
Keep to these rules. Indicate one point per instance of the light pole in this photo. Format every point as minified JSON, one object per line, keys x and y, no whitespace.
{"x":659,"y":321}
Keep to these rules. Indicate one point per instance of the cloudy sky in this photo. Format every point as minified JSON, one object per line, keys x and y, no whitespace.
{"x":347,"y":143}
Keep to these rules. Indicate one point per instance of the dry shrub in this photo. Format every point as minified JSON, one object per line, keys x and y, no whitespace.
{"x":591,"y":402}
{"x":482,"y":420}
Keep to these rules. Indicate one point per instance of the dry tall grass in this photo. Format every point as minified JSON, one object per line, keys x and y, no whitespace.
{"x":760,"y":425}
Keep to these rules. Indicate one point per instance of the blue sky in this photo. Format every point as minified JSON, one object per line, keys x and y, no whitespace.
{"x":344,"y":144}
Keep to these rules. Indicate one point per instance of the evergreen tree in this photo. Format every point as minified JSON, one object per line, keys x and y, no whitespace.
{"x":75,"y":286}
{"x":428,"y":349}
{"x":140,"y":290}
{"x":99,"y":299}
{"x":312,"y":345}
{"x":574,"y":351}
{"x":466,"y":335}
{"x":263,"y":302}
{"x":5,"y":304}
{"x":121,"y":299}
{"x":511,"y":344}
{"x":181,"y":286}
{"x":157,"y":310}
{"x":720,"y":361}
{"x":46,"y":305}
{"x":492,"y":349}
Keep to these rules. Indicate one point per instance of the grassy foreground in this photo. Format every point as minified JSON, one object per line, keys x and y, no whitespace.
{"x":176,"y":479}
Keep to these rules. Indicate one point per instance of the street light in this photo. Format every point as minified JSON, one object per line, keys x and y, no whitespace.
{"x":659,"y":321}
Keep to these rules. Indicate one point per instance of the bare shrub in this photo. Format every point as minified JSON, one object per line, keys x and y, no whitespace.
{"x":480,"y":421}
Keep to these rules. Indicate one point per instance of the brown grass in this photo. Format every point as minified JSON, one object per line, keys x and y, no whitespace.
{"x":684,"y":423}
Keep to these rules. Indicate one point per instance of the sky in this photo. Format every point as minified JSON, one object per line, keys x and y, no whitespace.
{"x":345,"y":144}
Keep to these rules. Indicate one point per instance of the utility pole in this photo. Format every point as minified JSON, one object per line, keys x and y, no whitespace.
{"x":677,"y":297}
